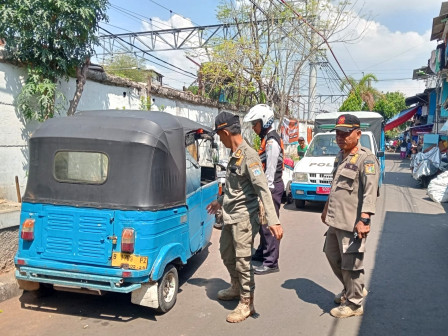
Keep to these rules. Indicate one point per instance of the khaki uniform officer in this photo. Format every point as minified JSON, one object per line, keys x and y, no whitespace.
{"x":245,"y":183}
{"x":350,"y":205}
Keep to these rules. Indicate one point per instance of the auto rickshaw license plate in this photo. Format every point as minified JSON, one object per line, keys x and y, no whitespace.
{"x":130,"y":261}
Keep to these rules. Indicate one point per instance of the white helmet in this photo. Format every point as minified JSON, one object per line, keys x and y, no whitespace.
{"x":261,"y":112}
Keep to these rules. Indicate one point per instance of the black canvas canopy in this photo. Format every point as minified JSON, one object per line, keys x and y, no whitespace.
{"x":146,"y":159}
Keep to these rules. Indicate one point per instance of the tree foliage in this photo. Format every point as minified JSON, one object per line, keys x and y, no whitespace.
{"x":53,"y":39}
{"x":127,"y":66}
{"x":390,"y":104}
{"x":362,"y":96}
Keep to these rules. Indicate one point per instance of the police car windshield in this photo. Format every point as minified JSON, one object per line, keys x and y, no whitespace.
{"x":325,"y":145}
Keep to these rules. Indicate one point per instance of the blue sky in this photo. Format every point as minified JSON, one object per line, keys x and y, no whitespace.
{"x":396,"y":40}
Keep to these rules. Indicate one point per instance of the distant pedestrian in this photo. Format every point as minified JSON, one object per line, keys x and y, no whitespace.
{"x":403,"y":150}
{"x":408,"y":148}
{"x":347,"y":212}
{"x":302,"y":147}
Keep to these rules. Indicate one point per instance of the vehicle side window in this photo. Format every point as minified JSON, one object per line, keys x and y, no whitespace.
{"x":365,"y":141}
{"x":193,"y":173}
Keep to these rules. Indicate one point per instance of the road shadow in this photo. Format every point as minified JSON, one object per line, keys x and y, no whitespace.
{"x":309,"y":207}
{"x":310,"y":292}
{"x":445,"y":207}
{"x":193,"y":264}
{"x":408,"y":283}
{"x":212,"y":286}
{"x":116,"y":307}
{"x":112,"y":307}
{"x":401,"y":179}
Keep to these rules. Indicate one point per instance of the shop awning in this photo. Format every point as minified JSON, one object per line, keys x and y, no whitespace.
{"x":421,"y":129}
{"x":421,"y":98}
{"x":400,"y":118}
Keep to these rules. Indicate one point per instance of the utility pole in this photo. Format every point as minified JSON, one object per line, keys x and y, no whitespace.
{"x":312,"y":62}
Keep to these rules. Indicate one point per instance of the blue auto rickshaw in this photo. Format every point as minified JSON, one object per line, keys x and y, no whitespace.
{"x":115,"y":202}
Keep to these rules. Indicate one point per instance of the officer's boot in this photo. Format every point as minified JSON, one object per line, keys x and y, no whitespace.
{"x":231,"y":293}
{"x":340,"y":298}
{"x":244,"y":309}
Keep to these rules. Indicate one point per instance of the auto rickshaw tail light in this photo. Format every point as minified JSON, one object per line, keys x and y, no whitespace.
{"x":27,"y":229}
{"x":127,"y":240}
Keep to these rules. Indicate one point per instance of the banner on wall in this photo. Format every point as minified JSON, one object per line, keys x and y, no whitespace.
{"x":290,"y":131}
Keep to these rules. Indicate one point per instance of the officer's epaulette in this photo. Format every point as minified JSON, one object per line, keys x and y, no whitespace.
{"x":354,"y":159}
{"x":238,"y":153}
{"x":239,"y":161}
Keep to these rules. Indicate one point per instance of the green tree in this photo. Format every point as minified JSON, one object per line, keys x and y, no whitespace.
{"x":53,"y":39}
{"x":390,"y":104}
{"x":127,"y":66}
{"x":352,"y":103}
{"x":362,"y":96}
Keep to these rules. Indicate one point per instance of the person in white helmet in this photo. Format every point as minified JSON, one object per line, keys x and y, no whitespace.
{"x":271,"y":155}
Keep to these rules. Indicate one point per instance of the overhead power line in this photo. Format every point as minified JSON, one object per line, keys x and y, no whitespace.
{"x":138,"y":17}
{"x":172,"y":12}
{"x":147,"y":53}
{"x":318,"y":33}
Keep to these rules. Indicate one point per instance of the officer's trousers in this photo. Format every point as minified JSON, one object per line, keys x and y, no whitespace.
{"x":346,"y":260}
{"x":269,"y":247}
{"x":236,"y":244}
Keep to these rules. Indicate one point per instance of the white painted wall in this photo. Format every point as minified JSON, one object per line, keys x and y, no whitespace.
{"x":15,"y":131}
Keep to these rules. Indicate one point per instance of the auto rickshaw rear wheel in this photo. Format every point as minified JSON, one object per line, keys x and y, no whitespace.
{"x":168,"y":288}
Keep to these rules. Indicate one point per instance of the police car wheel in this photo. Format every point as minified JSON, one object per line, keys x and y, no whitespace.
{"x":299,"y":203}
{"x":168,"y":288}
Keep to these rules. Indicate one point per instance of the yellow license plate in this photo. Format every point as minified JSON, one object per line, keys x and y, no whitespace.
{"x":131,"y":261}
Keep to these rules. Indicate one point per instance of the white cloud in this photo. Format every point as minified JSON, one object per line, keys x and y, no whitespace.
{"x":173,"y":77}
{"x":381,"y":7}
{"x":388,"y":55}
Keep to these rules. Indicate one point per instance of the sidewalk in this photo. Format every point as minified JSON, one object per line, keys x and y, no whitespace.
{"x":8,"y":286}
{"x":9,"y":222}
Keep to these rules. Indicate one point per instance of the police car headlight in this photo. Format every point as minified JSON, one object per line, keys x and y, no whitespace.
{"x":300,"y":177}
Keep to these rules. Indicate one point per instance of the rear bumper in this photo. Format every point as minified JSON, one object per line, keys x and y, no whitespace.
{"x":307,"y":192}
{"x":83,"y":280}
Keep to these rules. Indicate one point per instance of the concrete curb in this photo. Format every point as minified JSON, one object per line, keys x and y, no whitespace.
{"x":9,"y":287}
{"x":9,"y":219}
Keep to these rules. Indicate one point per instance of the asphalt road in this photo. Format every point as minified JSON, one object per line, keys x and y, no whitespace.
{"x":406,"y":272}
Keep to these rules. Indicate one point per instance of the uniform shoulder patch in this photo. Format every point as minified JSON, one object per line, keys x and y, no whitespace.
{"x":369,"y":168}
{"x":256,"y":171}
